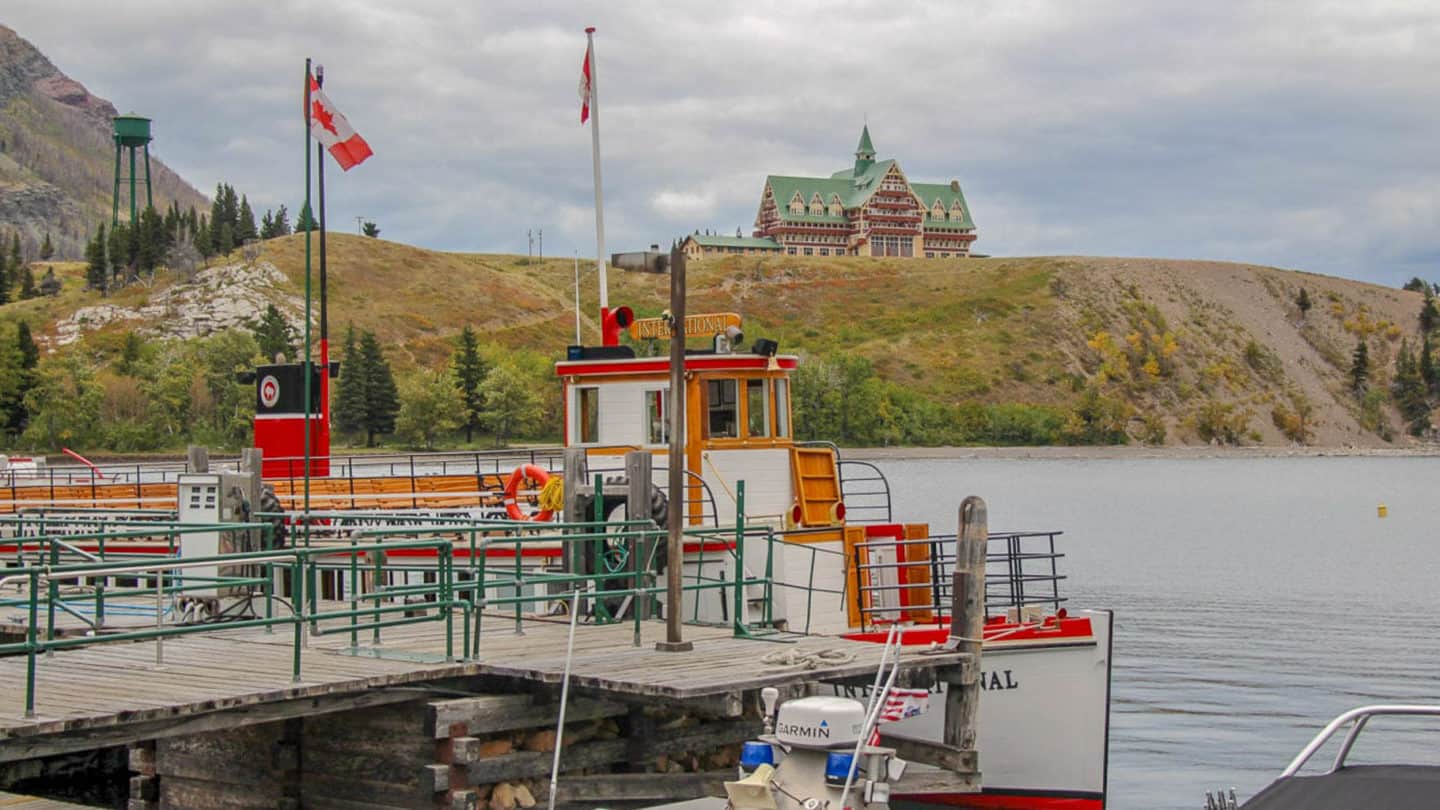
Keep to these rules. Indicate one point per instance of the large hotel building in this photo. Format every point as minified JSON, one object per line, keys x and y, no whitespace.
{"x":870,"y":209}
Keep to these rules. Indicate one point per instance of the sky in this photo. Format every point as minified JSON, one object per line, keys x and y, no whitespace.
{"x":1300,"y":134}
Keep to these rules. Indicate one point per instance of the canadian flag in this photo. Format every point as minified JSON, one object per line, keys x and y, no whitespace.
{"x":333,"y":132}
{"x":585,"y":91}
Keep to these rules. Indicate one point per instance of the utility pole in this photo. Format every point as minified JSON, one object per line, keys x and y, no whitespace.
{"x":529,"y":245}
{"x":542,"y":245}
{"x":359,"y":226}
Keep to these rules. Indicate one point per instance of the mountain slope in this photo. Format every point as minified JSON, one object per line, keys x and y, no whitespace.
{"x":1174,"y":344}
{"x":57,"y":155}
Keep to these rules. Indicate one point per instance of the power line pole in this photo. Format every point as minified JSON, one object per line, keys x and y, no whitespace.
{"x":359,"y":226}
{"x":529,"y":245}
{"x":542,"y":245}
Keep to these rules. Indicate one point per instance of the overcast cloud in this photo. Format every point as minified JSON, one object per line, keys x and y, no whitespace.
{"x":1298,"y":134}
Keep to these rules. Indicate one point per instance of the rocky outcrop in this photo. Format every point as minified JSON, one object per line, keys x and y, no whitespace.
{"x":218,"y":298}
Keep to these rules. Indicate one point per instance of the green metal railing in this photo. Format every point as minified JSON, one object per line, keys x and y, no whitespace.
{"x":462,"y":565}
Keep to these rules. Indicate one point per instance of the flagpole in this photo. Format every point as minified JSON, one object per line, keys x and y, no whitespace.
{"x":324,"y":310}
{"x":595,"y":156}
{"x":309,"y":217}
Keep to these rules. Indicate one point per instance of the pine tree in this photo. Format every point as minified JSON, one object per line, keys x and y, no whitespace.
{"x":46,"y":248}
{"x":27,"y":284}
{"x":217,"y":218}
{"x":29,"y":355}
{"x":470,"y":370}
{"x":49,"y":285}
{"x":4,"y":288}
{"x":274,"y":334}
{"x":203,"y":241}
{"x":1303,"y":302}
{"x":16,"y":260}
{"x":1360,"y":368}
{"x":1409,"y":391}
{"x":119,"y":253}
{"x":349,"y":406}
{"x":1429,"y":314}
{"x":245,"y":225}
{"x":149,"y":238}
{"x":267,"y":226}
{"x":305,"y":222}
{"x":370,"y":229}
{"x":282,"y":222}
{"x":382,"y":400}
{"x":1428,"y":372}
{"x":96,"y":272}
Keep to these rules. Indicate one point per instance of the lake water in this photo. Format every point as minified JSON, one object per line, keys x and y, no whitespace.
{"x":1255,"y":599}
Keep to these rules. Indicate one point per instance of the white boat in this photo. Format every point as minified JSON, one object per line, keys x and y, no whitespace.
{"x":850,"y":568}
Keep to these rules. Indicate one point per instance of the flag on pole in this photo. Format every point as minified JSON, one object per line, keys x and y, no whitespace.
{"x":333,"y":132}
{"x":585,"y":94}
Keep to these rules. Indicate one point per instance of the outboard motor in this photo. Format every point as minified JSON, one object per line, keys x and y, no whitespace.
{"x":804,"y":763}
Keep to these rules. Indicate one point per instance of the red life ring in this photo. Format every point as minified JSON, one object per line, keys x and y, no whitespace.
{"x":512,"y":489}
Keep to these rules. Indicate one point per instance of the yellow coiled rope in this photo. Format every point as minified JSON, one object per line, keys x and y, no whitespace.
{"x":552,"y":495}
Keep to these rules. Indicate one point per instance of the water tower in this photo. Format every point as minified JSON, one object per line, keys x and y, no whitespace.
{"x":131,"y":132}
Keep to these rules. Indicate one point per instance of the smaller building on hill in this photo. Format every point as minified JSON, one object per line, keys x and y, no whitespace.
{"x":704,"y":245}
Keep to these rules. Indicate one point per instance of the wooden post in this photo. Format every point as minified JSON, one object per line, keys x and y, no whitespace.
{"x":674,"y":553}
{"x":639,"y":466}
{"x":576,"y":471}
{"x":967,"y":622}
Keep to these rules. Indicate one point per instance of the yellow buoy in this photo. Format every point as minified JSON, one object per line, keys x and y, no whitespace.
{"x":1382,"y":510}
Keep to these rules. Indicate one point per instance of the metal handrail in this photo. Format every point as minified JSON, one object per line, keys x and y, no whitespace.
{"x":1360,"y":717}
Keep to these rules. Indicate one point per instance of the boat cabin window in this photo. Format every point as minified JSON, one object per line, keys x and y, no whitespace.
{"x":782,"y":409}
{"x":757,"y":408}
{"x":657,"y":417}
{"x":722,"y":409}
{"x":587,"y":415}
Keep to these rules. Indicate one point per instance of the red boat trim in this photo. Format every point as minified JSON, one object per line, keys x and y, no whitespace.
{"x":1005,"y":799}
{"x":587,"y":368}
{"x":1068,"y":629}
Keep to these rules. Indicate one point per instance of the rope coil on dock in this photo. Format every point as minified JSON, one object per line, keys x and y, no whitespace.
{"x":793,"y":659}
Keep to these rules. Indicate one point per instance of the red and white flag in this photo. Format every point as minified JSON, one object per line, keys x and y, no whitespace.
{"x":333,"y":132}
{"x":585,"y":91}
{"x":900,"y":704}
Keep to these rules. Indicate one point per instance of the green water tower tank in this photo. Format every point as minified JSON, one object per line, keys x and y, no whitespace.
{"x":131,"y":132}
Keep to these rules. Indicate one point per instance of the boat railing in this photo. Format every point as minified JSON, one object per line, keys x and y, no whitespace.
{"x":910,"y":579}
{"x":1356,"y":719}
{"x":864,"y":489}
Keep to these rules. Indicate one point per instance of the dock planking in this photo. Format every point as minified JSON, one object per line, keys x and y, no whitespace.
{"x":116,"y":692}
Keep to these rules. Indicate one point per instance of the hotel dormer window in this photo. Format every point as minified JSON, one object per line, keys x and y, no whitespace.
{"x":835,"y":208}
{"x":797,"y":204}
{"x":957,"y":214}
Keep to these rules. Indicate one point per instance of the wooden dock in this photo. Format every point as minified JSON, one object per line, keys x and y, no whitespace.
{"x":113,"y":694}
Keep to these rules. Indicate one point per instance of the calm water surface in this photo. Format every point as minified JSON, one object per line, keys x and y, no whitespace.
{"x":1255,"y":599}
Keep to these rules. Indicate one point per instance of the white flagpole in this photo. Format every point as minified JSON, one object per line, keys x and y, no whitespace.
{"x":595,"y":151}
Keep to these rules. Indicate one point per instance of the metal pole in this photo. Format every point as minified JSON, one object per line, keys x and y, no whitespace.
{"x":595,"y":153}
{"x":577,"y":297}
{"x":674,"y":552}
{"x":324,"y":310}
{"x":564,"y":697}
{"x":309,"y":218}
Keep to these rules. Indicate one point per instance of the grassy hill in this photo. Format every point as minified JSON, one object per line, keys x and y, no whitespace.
{"x":1190,"y":348}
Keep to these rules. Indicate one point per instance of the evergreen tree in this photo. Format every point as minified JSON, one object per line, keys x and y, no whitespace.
{"x":370,"y":229}
{"x":217,"y":218}
{"x":1303,"y":302}
{"x":245,"y":225}
{"x":1409,"y":391}
{"x":274,"y":334}
{"x":118,"y":251}
{"x":1360,"y":368}
{"x":27,"y":284}
{"x":16,"y":260}
{"x":469,"y":370}
{"x":1429,"y":314}
{"x":96,"y":270}
{"x":47,"y":249}
{"x":204,"y":243}
{"x":267,"y":226}
{"x":282,"y":221}
{"x":382,"y":400}
{"x":1428,"y":373}
{"x":305,"y":222}
{"x":224,"y":238}
{"x":29,"y":362}
{"x":349,"y":407}
{"x":1416,"y":284}
{"x":12,"y":385}
{"x":4,"y":271}
{"x":4,"y":287}
{"x":149,"y":238}
{"x":29,"y":352}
